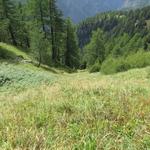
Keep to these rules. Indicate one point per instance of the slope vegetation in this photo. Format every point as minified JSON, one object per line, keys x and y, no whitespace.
{"x":18,"y":71}
{"x":73,"y":111}
{"x":79,"y":111}
{"x":11,"y":52}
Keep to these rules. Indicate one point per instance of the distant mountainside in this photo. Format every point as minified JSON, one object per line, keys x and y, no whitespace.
{"x":136,"y":3}
{"x":80,"y":9}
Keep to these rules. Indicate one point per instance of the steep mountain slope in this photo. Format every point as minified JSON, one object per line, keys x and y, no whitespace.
{"x":136,"y":3}
{"x":116,"y":24}
{"x":79,"y":10}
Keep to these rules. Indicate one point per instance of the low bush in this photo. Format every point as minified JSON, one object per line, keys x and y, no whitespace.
{"x":95,"y":68}
{"x":19,"y":77}
{"x":112,"y":65}
{"x":138,"y":60}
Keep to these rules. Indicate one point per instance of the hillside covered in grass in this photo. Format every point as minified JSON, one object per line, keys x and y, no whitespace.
{"x":20,"y":77}
{"x":45,"y":109}
{"x":79,"y":111}
{"x":10,"y":52}
{"x":73,"y":87}
{"x":18,"y":71}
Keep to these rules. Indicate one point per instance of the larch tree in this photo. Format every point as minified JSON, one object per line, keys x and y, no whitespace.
{"x":56,"y":24}
{"x":37,"y":11}
{"x":9,"y":17}
{"x":95,"y":50}
{"x":72,"y":53}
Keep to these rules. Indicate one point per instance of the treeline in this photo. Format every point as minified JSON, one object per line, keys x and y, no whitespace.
{"x":98,"y":43}
{"x":114,"y":36}
{"x":39,"y":27}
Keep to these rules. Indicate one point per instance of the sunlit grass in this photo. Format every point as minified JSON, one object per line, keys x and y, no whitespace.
{"x":19,"y":77}
{"x":79,"y":111}
{"x":14,"y":50}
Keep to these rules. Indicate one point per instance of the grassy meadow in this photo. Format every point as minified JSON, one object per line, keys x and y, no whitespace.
{"x":68,"y":85}
{"x":79,"y":111}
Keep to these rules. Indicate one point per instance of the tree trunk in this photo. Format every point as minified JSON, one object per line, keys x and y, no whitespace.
{"x":27,"y":42}
{"x":54,"y":51}
{"x":42,"y":20}
{"x":12,"y":35}
{"x":67,"y":57}
{"x":40,"y":59}
{"x":10,"y":27}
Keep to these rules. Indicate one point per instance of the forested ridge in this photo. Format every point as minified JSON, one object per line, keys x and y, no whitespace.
{"x":40,"y":29}
{"x":114,"y":35}
{"x":115,"y":24}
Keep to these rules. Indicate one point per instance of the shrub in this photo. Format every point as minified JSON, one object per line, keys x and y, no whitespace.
{"x":112,"y":65}
{"x":138,"y":60}
{"x":95,"y":68}
{"x":19,"y":77}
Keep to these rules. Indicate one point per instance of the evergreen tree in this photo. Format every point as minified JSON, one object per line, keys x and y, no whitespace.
{"x":56,"y":26}
{"x":38,"y":44}
{"x":3,"y":25}
{"x":22,"y":30}
{"x":95,"y":50}
{"x":38,"y":12}
{"x":9,"y":17}
{"x":39,"y":33}
{"x":71,"y":55}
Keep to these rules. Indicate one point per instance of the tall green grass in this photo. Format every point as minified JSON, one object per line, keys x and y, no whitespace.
{"x":80,"y":111}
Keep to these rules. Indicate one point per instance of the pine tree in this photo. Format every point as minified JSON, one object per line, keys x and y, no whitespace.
{"x":52,"y":10}
{"x":8,"y":12}
{"x":95,"y":50}
{"x":39,"y":34}
{"x":38,"y":11}
{"x":22,"y":29}
{"x":38,"y":44}
{"x":56,"y":26}
{"x":71,"y":55}
{"x":3,"y":25}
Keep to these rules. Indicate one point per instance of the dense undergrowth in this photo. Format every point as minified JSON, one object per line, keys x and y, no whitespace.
{"x":120,"y":64}
{"x":23,"y":76}
{"x":79,"y":111}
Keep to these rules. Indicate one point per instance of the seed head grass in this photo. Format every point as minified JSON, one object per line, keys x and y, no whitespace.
{"x":80,"y":111}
